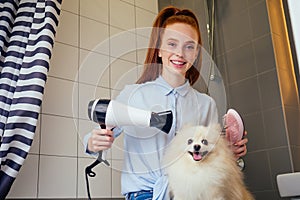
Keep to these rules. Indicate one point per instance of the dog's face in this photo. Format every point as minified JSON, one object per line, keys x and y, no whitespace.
{"x":192,"y":144}
{"x":201,"y":141}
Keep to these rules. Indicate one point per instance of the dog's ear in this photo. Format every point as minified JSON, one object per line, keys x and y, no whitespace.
{"x":216,"y":127}
{"x":185,"y":128}
{"x":187,"y":125}
{"x":214,"y":132}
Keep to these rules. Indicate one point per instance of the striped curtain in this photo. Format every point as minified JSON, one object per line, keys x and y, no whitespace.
{"x":27,"y":30}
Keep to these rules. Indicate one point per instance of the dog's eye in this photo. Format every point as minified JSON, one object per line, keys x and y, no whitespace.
{"x":190,"y":141}
{"x":204,"y":141}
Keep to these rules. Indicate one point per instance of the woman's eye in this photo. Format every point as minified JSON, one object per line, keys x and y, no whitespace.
{"x":171,"y":44}
{"x":204,"y":141}
{"x":190,"y":47}
{"x":190,"y":141}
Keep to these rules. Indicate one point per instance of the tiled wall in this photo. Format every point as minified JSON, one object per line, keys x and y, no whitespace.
{"x":245,"y":56}
{"x":198,"y":7}
{"x":97,"y":50}
{"x":244,"y":48}
{"x":246,"y":51}
{"x":286,"y":76}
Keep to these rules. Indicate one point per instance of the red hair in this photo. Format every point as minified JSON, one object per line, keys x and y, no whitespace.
{"x":153,"y":63}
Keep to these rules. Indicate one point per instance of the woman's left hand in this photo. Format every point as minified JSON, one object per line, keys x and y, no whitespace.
{"x":240,"y":147}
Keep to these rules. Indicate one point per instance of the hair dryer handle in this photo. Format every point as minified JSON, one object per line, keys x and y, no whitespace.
{"x":103,"y":153}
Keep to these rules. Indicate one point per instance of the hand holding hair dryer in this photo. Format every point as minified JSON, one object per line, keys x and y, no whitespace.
{"x":110,"y":113}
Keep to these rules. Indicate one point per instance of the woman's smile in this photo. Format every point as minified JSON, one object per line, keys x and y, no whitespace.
{"x":178,"y":50}
{"x":178,"y":63}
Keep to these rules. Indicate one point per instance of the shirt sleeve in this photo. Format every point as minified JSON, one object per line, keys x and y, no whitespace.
{"x":213,"y":116}
{"x":85,"y":143}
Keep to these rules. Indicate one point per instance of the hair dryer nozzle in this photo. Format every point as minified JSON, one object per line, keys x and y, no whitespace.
{"x":162,"y":120}
{"x":97,"y":110}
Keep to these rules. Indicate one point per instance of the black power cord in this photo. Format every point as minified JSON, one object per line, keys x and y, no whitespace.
{"x":90,"y":173}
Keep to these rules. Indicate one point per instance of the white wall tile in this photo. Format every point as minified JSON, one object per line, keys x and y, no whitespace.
{"x":57,"y":178}
{"x":144,"y":18}
{"x":58,"y":136}
{"x":65,"y":99}
{"x":129,"y":1}
{"x":67,"y":30}
{"x":95,"y":9}
{"x":142,"y":45}
{"x":122,"y":15}
{"x":88,"y":93}
{"x":115,"y":93}
{"x":151,"y":5}
{"x":71,"y":6}
{"x":60,"y":98}
{"x":116,"y":178}
{"x":123,"y":44}
{"x":144,"y":31}
{"x":141,"y":55}
{"x":94,"y":68}
{"x":64,"y":61}
{"x":25,"y":185}
{"x":94,"y":35}
{"x":122,"y":73}
{"x":85,"y":127}
{"x":140,"y":69}
{"x":100,"y":185}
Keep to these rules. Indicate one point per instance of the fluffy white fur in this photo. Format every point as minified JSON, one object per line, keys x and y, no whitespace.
{"x":210,"y":174}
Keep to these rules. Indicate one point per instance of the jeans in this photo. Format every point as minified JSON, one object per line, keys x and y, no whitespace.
{"x":140,"y":195}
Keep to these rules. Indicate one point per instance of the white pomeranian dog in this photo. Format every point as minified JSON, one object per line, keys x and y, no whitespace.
{"x":200,"y":165}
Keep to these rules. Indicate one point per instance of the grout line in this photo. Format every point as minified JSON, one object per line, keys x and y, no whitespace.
{"x":39,"y":153}
{"x":83,"y":83}
{"x":109,"y":50}
{"x":250,"y":77}
{"x":109,"y":72}
{"x":267,"y":150}
{"x":134,"y":4}
{"x":70,"y":12}
{"x":78,"y":107}
{"x":101,"y":53}
{"x":263,"y":110}
{"x":255,"y":4}
{"x":58,"y":156}
{"x":136,"y":39}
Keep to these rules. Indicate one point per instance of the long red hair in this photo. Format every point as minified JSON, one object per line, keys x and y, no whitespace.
{"x":153,"y":63}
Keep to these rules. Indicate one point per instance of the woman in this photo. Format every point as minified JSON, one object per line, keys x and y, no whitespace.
{"x":170,"y":69}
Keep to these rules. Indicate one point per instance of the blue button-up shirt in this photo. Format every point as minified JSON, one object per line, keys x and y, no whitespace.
{"x":144,"y":146}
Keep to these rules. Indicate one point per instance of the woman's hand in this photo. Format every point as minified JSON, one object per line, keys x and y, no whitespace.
{"x":240,"y":148}
{"x":101,"y":139}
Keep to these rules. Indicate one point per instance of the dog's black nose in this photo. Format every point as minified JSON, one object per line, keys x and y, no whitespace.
{"x":197,"y":147}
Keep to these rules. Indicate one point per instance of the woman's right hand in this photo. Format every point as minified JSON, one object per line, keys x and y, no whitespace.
{"x":101,"y":139}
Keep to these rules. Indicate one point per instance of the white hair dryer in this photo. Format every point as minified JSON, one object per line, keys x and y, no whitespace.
{"x":113,"y":113}
{"x":110,"y":113}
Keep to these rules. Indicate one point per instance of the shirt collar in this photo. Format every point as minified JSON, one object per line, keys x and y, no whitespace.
{"x":181,"y":90}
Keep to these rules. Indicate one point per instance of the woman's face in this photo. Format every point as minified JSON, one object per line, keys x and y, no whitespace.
{"x":178,"y":50}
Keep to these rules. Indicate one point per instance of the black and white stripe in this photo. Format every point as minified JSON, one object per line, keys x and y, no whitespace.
{"x":27,"y":30}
